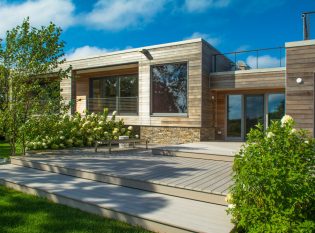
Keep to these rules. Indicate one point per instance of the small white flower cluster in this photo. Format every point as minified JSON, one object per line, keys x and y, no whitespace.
{"x":286,"y":119}
{"x":270,"y":135}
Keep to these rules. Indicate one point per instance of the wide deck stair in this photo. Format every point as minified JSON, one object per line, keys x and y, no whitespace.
{"x":159,"y":193}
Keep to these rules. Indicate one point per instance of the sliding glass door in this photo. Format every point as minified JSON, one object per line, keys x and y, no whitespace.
{"x":244,"y":112}
{"x":254,"y":111}
{"x":234,"y":116}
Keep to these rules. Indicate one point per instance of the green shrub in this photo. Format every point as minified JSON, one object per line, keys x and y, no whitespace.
{"x":274,"y":175}
{"x":64,"y":131}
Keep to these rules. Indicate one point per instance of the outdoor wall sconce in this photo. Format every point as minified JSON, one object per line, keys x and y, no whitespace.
{"x":146,"y":53}
{"x":299,"y":80}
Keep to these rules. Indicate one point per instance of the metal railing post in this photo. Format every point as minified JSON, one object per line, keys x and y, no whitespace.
{"x":256,"y":59}
{"x":280,"y":55}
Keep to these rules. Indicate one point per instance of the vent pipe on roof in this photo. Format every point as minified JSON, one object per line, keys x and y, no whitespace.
{"x":306,"y":26}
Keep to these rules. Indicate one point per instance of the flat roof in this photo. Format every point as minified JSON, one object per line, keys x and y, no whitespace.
{"x":299,"y":43}
{"x":140,"y":48}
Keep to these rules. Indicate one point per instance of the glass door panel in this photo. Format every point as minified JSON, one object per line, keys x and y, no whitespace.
{"x":234,"y":116}
{"x":254,"y":111}
{"x":276,"y":106}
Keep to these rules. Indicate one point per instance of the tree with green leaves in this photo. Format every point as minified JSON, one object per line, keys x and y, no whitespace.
{"x":30,"y":76}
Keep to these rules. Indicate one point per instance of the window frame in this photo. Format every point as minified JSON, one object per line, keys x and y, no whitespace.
{"x":153,"y":114}
{"x":117,"y":90}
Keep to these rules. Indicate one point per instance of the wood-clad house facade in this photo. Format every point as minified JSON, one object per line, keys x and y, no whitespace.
{"x":171,"y":94}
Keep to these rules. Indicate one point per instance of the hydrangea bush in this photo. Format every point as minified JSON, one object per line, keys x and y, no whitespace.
{"x":64,"y":131}
{"x":274,"y":175}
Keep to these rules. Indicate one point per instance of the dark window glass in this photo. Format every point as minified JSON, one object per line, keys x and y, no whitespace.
{"x":118,"y":93}
{"x":169,"y":88}
{"x":254,"y":111}
{"x":96,"y":88}
{"x":234,"y":116}
{"x":276,"y":106}
{"x":110,"y":86}
{"x":128,"y":94}
{"x":128,"y":86}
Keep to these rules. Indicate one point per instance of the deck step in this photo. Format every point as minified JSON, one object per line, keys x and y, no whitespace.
{"x":189,"y":154}
{"x":185,"y":188}
{"x":153,"y":211}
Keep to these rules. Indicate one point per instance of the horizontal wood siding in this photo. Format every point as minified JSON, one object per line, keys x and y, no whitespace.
{"x":185,"y":52}
{"x":300,"y":97}
{"x":251,"y":80}
{"x":208,"y":111}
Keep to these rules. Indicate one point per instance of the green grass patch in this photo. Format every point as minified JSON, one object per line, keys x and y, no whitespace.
{"x":5,"y":150}
{"x":23,"y":213}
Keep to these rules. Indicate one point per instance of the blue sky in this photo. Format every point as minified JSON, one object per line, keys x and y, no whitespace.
{"x":94,"y":27}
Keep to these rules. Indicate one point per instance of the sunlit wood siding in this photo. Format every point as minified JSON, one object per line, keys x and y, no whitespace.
{"x":300,"y":97}
{"x":187,"y":51}
{"x":249,"y":79}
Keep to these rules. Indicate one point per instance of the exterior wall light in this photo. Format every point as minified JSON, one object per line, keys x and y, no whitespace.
{"x":299,"y":80}
{"x":146,"y":53}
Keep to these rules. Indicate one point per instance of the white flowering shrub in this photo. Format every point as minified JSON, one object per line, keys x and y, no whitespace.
{"x":58,"y":132}
{"x":274,"y":181}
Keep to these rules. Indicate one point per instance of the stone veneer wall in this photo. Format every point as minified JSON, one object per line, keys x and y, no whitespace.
{"x":170,"y":135}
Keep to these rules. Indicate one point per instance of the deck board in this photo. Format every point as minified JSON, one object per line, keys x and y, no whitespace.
{"x":187,"y":173}
{"x":169,"y":210}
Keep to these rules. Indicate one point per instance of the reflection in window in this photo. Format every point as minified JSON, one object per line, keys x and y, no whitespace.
{"x":276,"y":107}
{"x":169,"y":88}
{"x":117,"y":93}
{"x":234,"y":116}
{"x":254,"y":111}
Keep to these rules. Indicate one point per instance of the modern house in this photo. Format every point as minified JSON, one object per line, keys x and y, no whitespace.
{"x":188,"y":91}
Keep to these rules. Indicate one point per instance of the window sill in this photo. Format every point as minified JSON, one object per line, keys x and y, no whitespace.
{"x":169,"y":115}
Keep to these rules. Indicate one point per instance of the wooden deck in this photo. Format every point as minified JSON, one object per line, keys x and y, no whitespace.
{"x":204,"y":180}
{"x":215,"y":150}
{"x":154,"y":211}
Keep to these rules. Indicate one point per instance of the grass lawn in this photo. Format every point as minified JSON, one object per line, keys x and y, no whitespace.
{"x":5,"y":150}
{"x":22,"y":213}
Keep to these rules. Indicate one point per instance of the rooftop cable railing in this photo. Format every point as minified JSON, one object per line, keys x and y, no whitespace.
{"x":249,"y":59}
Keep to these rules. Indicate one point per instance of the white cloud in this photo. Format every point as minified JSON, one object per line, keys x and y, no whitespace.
{"x":86,"y":51}
{"x":265,"y":61}
{"x":203,"y":5}
{"x":214,"y":41}
{"x":41,"y":12}
{"x":121,"y":14}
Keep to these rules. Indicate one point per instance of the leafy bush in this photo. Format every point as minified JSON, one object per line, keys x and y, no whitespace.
{"x":274,"y":189}
{"x":63,"y":131}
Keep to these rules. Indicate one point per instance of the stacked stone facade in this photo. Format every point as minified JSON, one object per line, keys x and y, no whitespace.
{"x":174,"y":135}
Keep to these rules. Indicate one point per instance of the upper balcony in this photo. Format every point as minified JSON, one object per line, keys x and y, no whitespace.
{"x":249,"y":60}
{"x":252,"y":69}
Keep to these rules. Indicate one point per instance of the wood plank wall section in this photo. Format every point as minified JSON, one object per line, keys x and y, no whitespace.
{"x":263,"y":78}
{"x":66,"y":90}
{"x":221,"y":108}
{"x":208,"y":104}
{"x":300,"y":97}
{"x":186,"y":51}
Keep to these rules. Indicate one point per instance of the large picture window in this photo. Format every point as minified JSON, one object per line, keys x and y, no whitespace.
{"x":169,"y":88}
{"x":117,"y":93}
